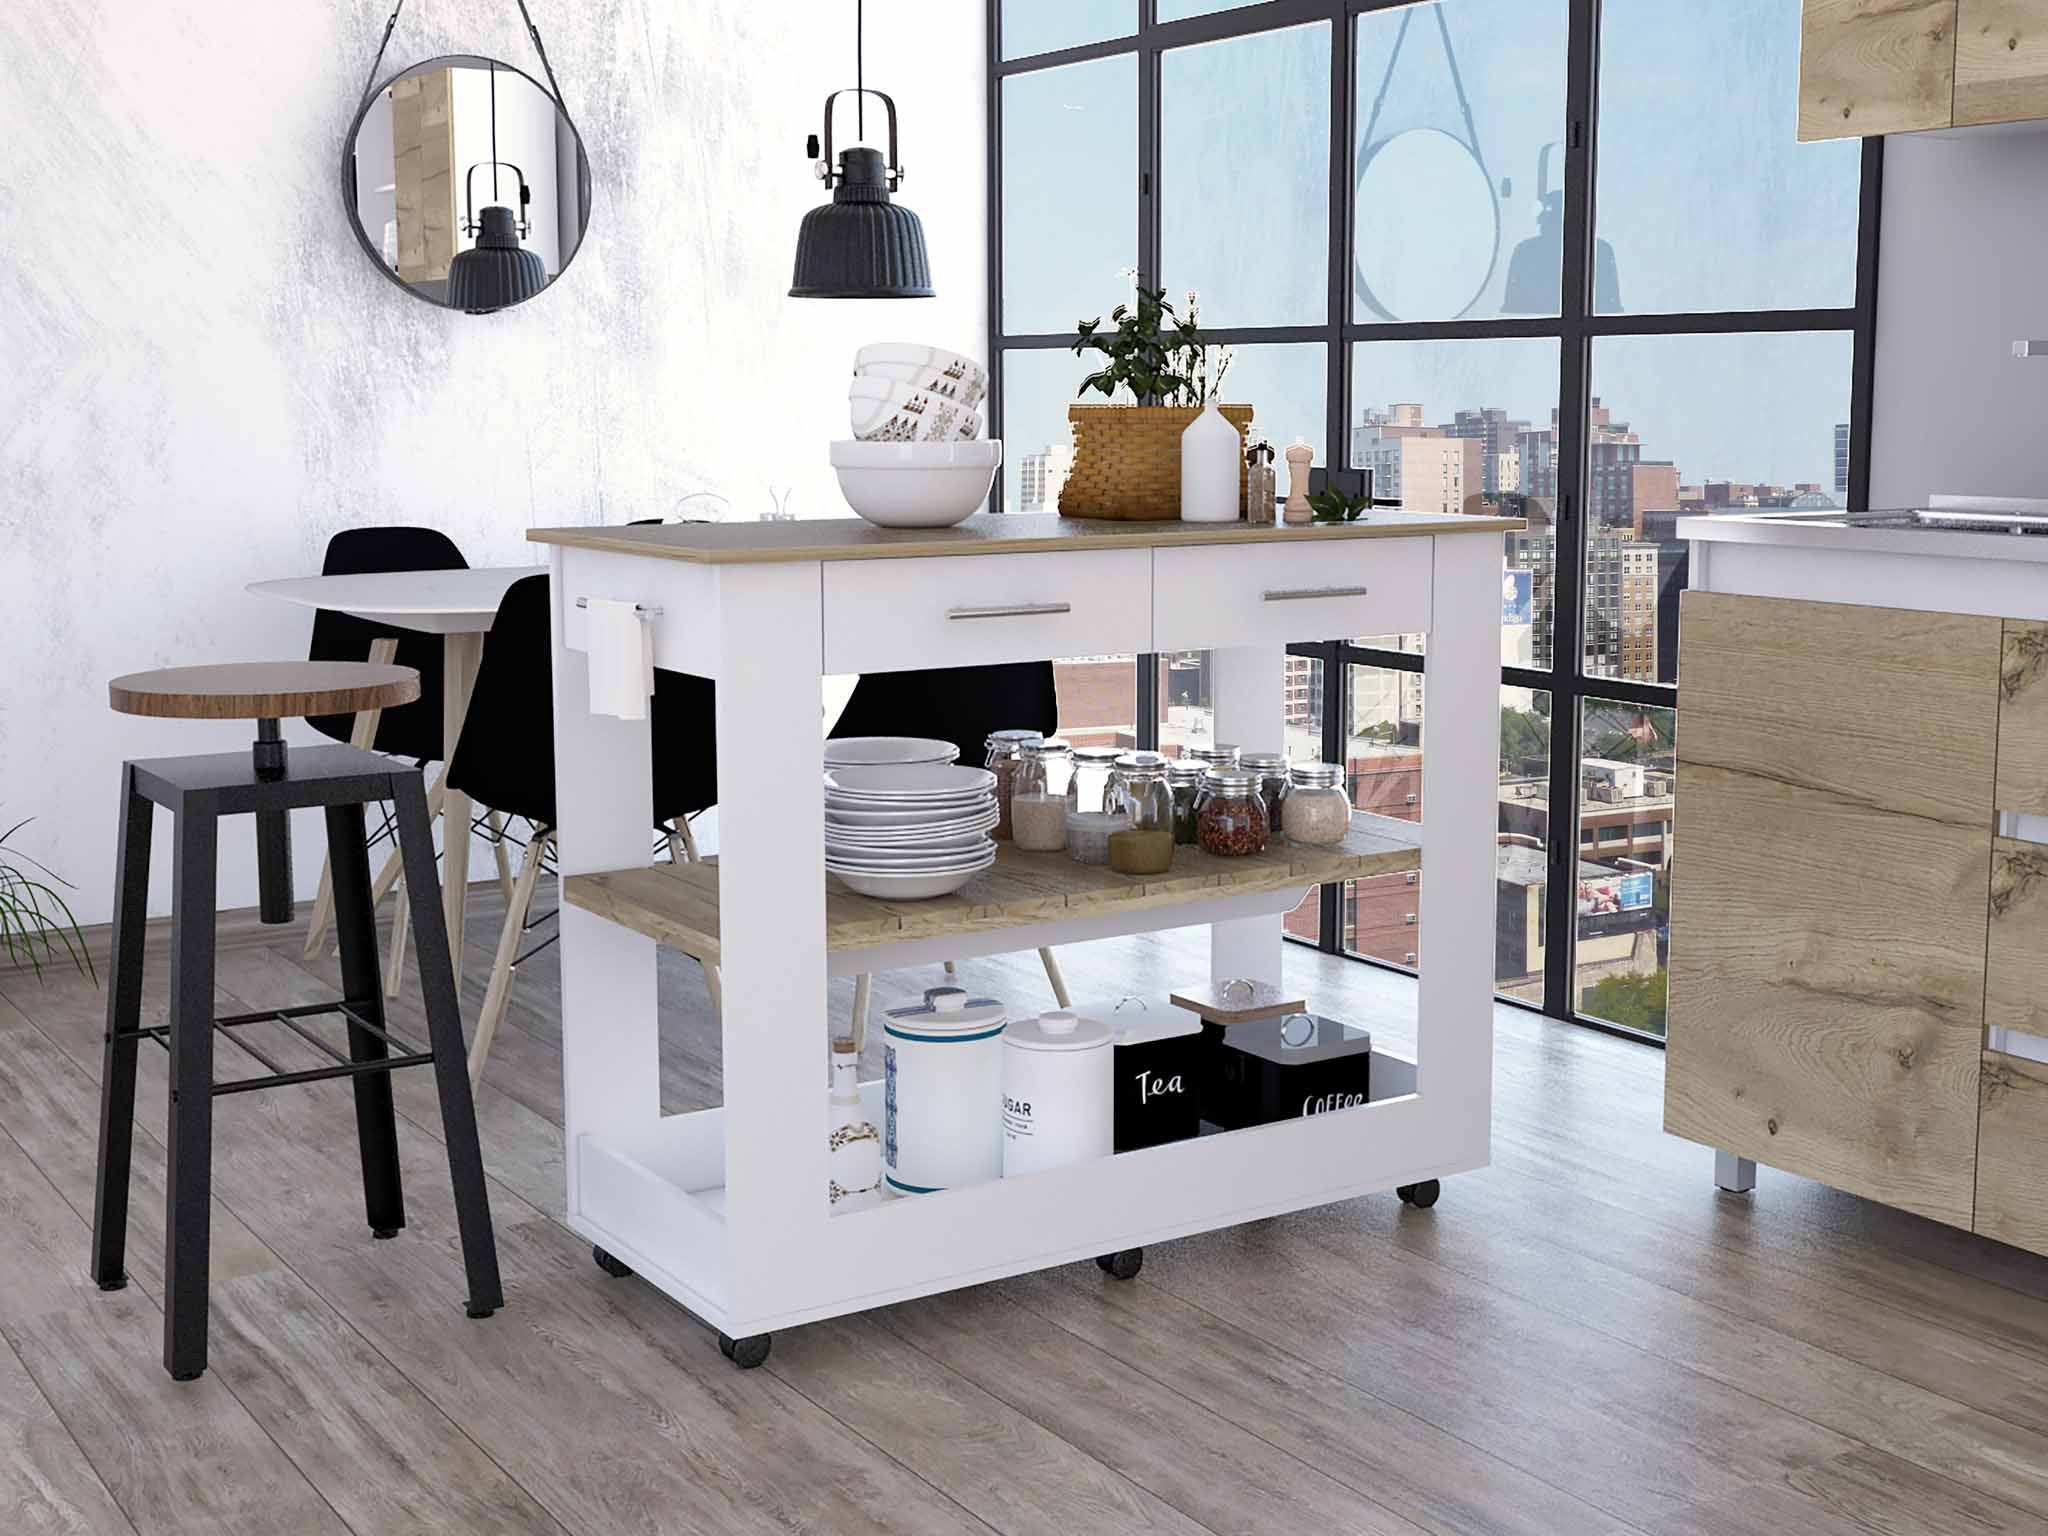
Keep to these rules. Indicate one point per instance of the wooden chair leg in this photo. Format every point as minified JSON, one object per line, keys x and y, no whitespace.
{"x":1052,"y":974}
{"x":363,"y":735}
{"x":863,"y":997}
{"x":394,"y":962}
{"x":499,"y":993}
{"x":714,"y":983}
{"x":677,"y":853}
{"x":504,"y":860}
{"x":689,"y":837}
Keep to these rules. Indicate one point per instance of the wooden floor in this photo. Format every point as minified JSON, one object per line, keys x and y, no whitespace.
{"x":1584,"y":1339}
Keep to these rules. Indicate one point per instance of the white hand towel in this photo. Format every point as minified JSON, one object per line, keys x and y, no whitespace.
{"x":621,"y":651}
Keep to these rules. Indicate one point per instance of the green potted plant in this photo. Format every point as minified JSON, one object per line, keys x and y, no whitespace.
{"x":1158,"y":373}
{"x":34,"y":918}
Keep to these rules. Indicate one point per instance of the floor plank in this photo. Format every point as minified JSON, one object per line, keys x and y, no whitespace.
{"x":47,"y":1488}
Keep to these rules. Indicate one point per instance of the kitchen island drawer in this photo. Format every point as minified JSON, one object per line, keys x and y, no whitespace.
{"x":892,"y":615}
{"x":1270,"y":594}
{"x":2012,"y":1152}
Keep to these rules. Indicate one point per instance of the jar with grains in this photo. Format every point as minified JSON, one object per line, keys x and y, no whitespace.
{"x":1315,"y":810}
{"x":1003,"y":747}
{"x":1143,"y":799}
{"x":1038,"y":795}
{"x":1232,"y":820}
{"x":1271,"y":767}
{"x":1184,"y":779}
{"x":1088,"y":835}
{"x":1088,"y":786}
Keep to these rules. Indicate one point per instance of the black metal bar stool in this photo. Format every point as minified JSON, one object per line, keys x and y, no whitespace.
{"x":268,"y":783}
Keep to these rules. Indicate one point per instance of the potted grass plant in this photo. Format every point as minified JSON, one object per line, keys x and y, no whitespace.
{"x":35,"y":921}
{"x":1157,"y":373}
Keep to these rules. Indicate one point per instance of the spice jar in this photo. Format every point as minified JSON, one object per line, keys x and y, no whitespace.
{"x":1003,"y":747}
{"x":1261,"y":483}
{"x":1038,"y":795}
{"x":1316,"y":810}
{"x":1271,"y":767}
{"x":1184,"y":779}
{"x":1127,"y":762}
{"x":1088,"y":789}
{"x":1231,"y":821}
{"x":1224,"y":755}
{"x":1143,"y":799}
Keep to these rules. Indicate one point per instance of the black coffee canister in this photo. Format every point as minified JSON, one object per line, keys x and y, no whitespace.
{"x":1281,"y":1069}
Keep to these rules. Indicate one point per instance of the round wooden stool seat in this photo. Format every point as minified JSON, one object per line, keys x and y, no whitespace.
{"x":263,"y":690}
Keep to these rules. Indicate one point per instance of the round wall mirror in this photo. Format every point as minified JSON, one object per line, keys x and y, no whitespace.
{"x":1423,"y":181}
{"x":467,"y":183}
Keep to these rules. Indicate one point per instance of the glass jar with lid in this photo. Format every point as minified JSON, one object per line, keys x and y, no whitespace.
{"x":1184,"y":779}
{"x":1088,"y":787}
{"x":1142,"y":797}
{"x":1003,"y":748}
{"x":1038,"y":795}
{"x":1210,"y":757}
{"x":1127,"y":762}
{"x":1316,"y":810}
{"x":1271,"y":767}
{"x":1231,"y":819}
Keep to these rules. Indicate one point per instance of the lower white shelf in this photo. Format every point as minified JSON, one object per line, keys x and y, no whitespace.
{"x":656,"y":1198}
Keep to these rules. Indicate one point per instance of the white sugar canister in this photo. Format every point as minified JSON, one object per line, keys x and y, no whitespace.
{"x":942,"y":1064}
{"x":1059,"y":1093}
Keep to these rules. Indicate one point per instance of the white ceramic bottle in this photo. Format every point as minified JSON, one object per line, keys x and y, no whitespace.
{"x":855,"y":1156}
{"x":1059,"y":1093}
{"x":1209,"y":464}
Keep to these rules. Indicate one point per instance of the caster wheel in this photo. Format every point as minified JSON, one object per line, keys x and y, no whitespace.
{"x":748,"y":1352}
{"x":1124,"y":1264}
{"x":1422,"y":1196}
{"x":616,"y":1268}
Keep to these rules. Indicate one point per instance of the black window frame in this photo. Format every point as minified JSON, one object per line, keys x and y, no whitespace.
{"x":1575,"y":330}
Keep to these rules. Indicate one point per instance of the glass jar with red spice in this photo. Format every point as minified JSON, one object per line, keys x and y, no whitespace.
{"x":1230,"y":819}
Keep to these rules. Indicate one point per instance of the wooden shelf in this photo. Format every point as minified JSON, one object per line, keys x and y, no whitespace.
{"x":677,"y":904}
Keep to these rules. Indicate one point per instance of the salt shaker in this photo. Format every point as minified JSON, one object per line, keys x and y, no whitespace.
{"x":1298,"y":455}
{"x":1261,"y":485}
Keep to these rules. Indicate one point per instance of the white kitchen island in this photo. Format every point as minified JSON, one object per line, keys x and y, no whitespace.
{"x":726,"y":1209}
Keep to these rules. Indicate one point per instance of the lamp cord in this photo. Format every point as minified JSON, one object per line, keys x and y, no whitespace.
{"x":860,"y":95}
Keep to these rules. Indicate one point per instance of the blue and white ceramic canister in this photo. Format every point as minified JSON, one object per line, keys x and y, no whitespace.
{"x":942,"y":1092}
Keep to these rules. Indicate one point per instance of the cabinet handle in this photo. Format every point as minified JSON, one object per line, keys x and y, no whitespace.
{"x":1297,"y":594}
{"x":1010,"y":611}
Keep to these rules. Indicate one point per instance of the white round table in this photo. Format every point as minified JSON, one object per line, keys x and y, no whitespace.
{"x":457,"y":605}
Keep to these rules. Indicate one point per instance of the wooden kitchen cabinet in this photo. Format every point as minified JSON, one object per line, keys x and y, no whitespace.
{"x":2001,"y":70}
{"x":2023,"y":719}
{"x":1835,"y":768}
{"x":1878,"y":66}
{"x":2016,"y":946}
{"x":2012,"y":1152}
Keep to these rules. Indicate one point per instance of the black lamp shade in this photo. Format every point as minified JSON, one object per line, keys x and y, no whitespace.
{"x":496,"y":272}
{"x":860,"y":245}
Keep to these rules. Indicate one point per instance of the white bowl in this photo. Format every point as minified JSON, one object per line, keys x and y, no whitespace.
{"x":916,"y":485}
{"x":896,"y":783}
{"x":853,"y":751}
{"x":884,"y":411}
{"x":841,"y":819}
{"x":923,"y":860}
{"x":891,"y":887}
{"x":907,"y":839}
{"x":931,"y":367}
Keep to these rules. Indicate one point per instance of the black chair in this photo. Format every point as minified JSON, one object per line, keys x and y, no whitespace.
{"x":411,"y":731}
{"x":505,"y":759}
{"x":963,"y":705}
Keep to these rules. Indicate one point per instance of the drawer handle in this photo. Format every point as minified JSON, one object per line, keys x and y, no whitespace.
{"x":1010,"y":611}
{"x":1297,"y":594}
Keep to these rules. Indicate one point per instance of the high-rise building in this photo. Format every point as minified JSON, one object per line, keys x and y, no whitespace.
{"x":1620,"y":601}
{"x":1041,"y":475}
{"x":1426,"y":474}
{"x":1500,"y":459}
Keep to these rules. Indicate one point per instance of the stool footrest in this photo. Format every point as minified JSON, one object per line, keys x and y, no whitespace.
{"x":281,"y":1076}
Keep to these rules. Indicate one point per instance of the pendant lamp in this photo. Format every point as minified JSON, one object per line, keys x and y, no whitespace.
{"x":1535,"y":269}
{"x":496,"y":272}
{"x":860,"y":245}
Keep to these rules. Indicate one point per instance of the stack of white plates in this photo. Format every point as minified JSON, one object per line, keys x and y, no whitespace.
{"x":908,"y":831}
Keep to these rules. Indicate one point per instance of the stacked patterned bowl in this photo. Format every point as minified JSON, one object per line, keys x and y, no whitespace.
{"x":906,"y":831}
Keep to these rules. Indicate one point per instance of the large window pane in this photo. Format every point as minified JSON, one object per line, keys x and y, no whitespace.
{"x":1626,"y":771}
{"x":1469,"y":426}
{"x":1098,"y":700}
{"x":1521,"y":858}
{"x":1244,"y":144}
{"x":1040,"y":26}
{"x":1285,"y":384}
{"x":1038,"y":445}
{"x":1070,"y":191}
{"x":1383,"y":770}
{"x":1692,"y":426}
{"x":1460,"y":196}
{"x":1744,"y":217}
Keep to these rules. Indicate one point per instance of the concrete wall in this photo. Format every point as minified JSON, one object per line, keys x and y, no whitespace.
{"x":1963,"y":272}
{"x":202,"y":377}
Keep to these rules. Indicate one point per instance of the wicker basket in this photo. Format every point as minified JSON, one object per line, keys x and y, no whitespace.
{"x":1127,"y":460}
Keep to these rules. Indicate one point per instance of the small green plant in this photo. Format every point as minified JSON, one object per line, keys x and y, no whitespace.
{"x":34,"y":919}
{"x":1334,"y":506}
{"x":1155,"y":353}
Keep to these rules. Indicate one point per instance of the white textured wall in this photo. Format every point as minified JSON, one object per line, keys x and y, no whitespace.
{"x":1961,"y":275}
{"x":202,"y":376}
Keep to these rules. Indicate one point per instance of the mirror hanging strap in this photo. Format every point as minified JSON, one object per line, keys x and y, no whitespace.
{"x":370,"y":83}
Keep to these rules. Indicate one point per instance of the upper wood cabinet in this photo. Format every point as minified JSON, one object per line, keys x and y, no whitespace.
{"x":1897,"y":66}
{"x":1875,"y":66}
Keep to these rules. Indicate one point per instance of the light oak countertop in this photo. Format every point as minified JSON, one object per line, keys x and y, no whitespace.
{"x":849,"y":538}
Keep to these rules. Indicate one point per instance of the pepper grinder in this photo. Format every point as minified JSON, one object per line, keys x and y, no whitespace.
{"x":1298,"y":455}
{"x":1261,"y":485}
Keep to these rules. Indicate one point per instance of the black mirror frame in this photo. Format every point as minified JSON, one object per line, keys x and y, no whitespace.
{"x":346,"y":179}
